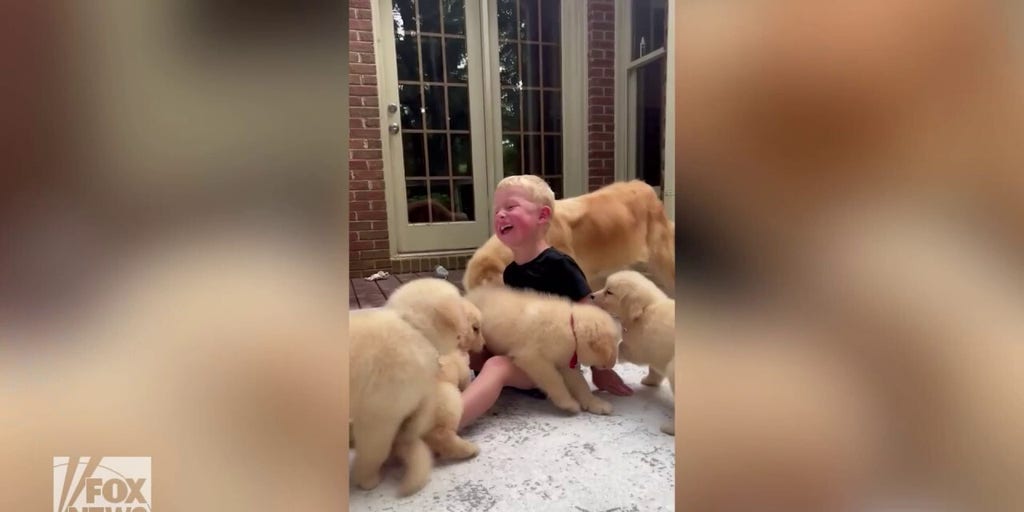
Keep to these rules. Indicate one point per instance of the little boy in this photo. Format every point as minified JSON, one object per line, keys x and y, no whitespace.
{"x":522,"y":210}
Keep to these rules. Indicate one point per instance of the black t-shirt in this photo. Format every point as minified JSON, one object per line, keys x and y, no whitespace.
{"x":552,"y":271}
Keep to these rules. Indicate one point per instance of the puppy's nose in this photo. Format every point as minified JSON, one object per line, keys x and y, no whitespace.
{"x":592,"y":295}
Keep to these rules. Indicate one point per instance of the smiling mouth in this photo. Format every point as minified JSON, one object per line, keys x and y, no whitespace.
{"x":505,"y":229}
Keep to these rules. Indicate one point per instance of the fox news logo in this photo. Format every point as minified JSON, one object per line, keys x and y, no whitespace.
{"x":102,"y":484}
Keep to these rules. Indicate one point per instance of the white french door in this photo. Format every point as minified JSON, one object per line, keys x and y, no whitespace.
{"x":473,"y":91}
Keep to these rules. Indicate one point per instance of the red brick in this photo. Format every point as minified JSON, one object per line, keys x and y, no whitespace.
{"x":376,"y":253}
{"x":362,"y":69}
{"x":602,"y":136}
{"x":364,"y":36}
{"x":368,"y":175}
{"x":359,"y":90}
{"x":367,"y":58}
{"x":373,"y":123}
{"x":602,"y":154}
{"x":354,"y":165}
{"x":602,"y":25}
{"x":372,"y":215}
{"x":369,"y":80}
{"x":355,"y":101}
{"x":360,"y":47}
{"x":601,"y":82}
{"x":353,"y":57}
{"x":373,"y":235}
{"x":359,"y":185}
{"x":364,"y":133}
{"x":378,"y":225}
{"x":381,"y":244}
{"x":601,"y":100}
{"x":360,"y":25}
{"x":359,"y":207}
{"x":602,"y":118}
{"x":362,"y":14}
{"x":373,"y":144}
{"x":360,"y":245}
{"x":367,"y":154}
{"x":368,"y":195}
{"x":370,"y":101}
{"x":359,"y":4}
{"x":364,"y":112}
{"x":355,"y":123}
{"x":375,"y":165}
{"x":380,"y":205}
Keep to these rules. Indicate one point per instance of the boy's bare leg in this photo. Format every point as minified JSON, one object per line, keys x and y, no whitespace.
{"x":496,"y":373}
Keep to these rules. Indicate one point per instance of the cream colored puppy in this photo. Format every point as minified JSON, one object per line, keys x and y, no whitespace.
{"x":648,"y":319}
{"x":543,"y":335}
{"x":393,"y":374}
{"x":443,"y":438}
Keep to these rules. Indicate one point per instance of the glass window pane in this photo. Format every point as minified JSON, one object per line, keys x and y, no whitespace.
{"x":551,"y":70}
{"x":464,"y":200}
{"x":532,"y":154}
{"x":408,"y":58}
{"x":531,"y":110}
{"x":433,"y":63}
{"x":511,"y":154}
{"x":462,"y":156}
{"x":650,"y":122}
{"x":403,"y":12}
{"x":553,"y":155}
{"x":551,"y":21}
{"x":556,"y":186}
{"x":531,"y":65}
{"x":437,"y":153}
{"x":441,"y":209}
{"x":649,"y":26}
{"x":415,"y":197}
{"x":507,"y":19}
{"x":433,"y":100}
{"x":510,"y":110}
{"x":412,"y":106}
{"x":412,"y":151}
{"x":430,"y":16}
{"x":456,"y":59}
{"x":529,"y":20}
{"x":552,"y":111}
{"x":458,"y":108}
{"x":508,"y":60}
{"x":454,"y":16}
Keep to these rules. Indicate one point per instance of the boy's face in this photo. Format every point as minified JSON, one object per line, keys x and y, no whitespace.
{"x":517,"y":220}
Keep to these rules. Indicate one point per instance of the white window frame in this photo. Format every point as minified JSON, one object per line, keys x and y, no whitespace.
{"x":625,"y":99}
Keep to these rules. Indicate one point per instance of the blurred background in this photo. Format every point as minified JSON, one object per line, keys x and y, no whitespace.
{"x":173,"y":249}
{"x":849,"y":226}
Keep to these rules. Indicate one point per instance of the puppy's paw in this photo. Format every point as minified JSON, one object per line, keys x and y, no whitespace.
{"x":570,"y":405}
{"x":652,"y":380}
{"x":369,"y":481}
{"x":598,"y":406}
{"x":669,"y":428}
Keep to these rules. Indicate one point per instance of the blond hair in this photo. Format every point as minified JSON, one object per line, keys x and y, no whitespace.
{"x":537,"y":190}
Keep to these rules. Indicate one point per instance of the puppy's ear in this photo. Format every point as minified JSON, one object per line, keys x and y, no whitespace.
{"x":450,"y":315}
{"x":603,"y":348}
{"x":632,"y":306}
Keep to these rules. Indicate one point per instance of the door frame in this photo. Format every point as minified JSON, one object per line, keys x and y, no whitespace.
{"x":483,"y":44}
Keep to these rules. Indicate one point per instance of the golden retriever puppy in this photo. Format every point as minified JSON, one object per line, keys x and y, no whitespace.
{"x":648,"y":319}
{"x":393,"y":368}
{"x":443,"y":438}
{"x":436,"y":308}
{"x":544,"y":335}
{"x":610,"y":229}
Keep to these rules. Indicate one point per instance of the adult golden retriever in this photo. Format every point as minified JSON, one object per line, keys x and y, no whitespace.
{"x":543,"y":334}
{"x":648,"y":319}
{"x":613,"y":228}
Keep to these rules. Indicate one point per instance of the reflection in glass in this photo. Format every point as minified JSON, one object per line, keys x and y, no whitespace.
{"x":650,"y":122}
{"x":437,"y":153}
{"x":412,"y":106}
{"x":464,"y":200}
{"x":508,"y":61}
{"x":510,"y":110}
{"x":550,"y":21}
{"x":433,"y":63}
{"x":511,"y":155}
{"x":531,"y":110}
{"x":553,"y":155}
{"x":552,"y":111}
{"x":458,"y":108}
{"x":529,"y":20}
{"x":408,"y":60}
{"x":412,"y":155}
{"x":433,"y":102}
{"x":532,"y":154}
{"x":507,"y":17}
{"x":531,"y":65}
{"x":551,"y":60}
{"x":454,"y":17}
{"x":456,"y":60}
{"x":430,"y":16}
{"x":462,"y":156}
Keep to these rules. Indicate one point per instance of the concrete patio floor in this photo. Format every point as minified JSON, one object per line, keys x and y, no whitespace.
{"x":534,"y":457}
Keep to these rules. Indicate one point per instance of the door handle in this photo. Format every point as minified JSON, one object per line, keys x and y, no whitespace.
{"x":393,"y":128}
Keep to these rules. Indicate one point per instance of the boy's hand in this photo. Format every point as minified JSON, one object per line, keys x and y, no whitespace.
{"x":608,"y":380}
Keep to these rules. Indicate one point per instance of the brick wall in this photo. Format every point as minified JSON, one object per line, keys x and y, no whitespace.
{"x":368,"y":218}
{"x":601,"y":92}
